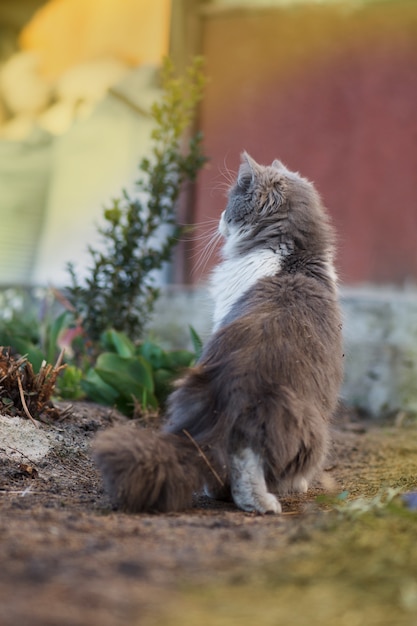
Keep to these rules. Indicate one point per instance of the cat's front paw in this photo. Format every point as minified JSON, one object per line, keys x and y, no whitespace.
{"x":268,"y":504}
{"x":265,"y":504}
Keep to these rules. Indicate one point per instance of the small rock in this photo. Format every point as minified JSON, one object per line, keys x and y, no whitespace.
{"x":410,"y":500}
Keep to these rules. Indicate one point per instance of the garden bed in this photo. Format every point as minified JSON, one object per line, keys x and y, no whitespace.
{"x":67,"y":558}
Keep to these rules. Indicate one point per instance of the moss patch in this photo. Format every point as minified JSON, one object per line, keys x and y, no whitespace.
{"x":349,"y":572}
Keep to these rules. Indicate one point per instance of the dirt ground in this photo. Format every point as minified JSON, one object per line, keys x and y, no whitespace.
{"x":68,"y":559}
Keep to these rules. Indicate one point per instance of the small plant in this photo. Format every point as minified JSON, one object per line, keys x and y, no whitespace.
{"x":34,"y":327}
{"x":387,"y":500}
{"x":136,"y":379}
{"x":69,"y":383}
{"x":139,"y":236}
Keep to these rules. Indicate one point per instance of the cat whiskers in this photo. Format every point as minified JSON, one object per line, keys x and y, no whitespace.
{"x":222,"y":186}
{"x":211,"y":223}
{"x":228,"y":179}
{"x":200,"y":231}
{"x":228,"y":174}
{"x":205,"y":249}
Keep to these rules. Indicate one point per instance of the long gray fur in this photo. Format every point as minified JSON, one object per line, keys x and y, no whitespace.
{"x":259,"y":400}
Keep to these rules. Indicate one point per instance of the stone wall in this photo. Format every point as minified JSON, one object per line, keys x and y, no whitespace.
{"x":380,"y":334}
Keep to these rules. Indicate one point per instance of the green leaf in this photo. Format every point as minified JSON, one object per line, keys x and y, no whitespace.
{"x":58,"y":325}
{"x":149,"y":399}
{"x":197,"y":343}
{"x":179,"y":359}
{"x":154,"y":354}
{"x":163,"y":380}
{"x":97,"y":390}
{"x":113,"y":215}
{"x":69,"y":383}
{"x":113,"y":339}
{"x":127,"y":405}
{"x":127,"y":376}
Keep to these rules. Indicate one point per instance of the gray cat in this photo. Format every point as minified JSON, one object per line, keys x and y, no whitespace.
{"x":250,"y":420}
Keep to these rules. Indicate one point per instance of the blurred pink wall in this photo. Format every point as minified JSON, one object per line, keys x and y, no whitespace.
{"x":333,"y":94}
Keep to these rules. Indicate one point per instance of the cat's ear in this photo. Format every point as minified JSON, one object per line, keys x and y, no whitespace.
{"x":247,"y":169}
{"x":246,"y":158}
{"x":279,"y":165}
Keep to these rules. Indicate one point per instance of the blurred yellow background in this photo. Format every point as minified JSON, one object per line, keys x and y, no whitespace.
{"x":74,"y":122}
{"x":66,"y":32}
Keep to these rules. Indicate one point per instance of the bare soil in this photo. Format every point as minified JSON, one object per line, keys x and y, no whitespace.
{"x":68,"y":559}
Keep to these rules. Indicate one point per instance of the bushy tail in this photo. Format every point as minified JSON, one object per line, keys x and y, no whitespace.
{"x":148,"y":471}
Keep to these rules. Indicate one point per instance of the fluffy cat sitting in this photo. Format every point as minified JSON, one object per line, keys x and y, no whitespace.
{"x":250,"y":420}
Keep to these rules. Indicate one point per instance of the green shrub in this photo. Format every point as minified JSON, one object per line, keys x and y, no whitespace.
{"x":138,"y":236}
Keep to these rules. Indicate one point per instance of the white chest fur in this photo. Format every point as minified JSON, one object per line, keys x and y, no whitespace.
{"x":234,"y":276}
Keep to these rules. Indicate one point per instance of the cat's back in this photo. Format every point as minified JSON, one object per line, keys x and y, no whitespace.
{"x":290,"y":298}
{"x":287,"y":329}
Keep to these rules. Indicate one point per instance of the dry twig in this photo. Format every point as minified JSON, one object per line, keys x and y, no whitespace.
{"x":22,"y":392}
{"x":204,"y":457}
{"x":22,"y":398}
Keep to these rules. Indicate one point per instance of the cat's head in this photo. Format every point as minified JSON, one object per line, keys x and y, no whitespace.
{"x":272,"y":207}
